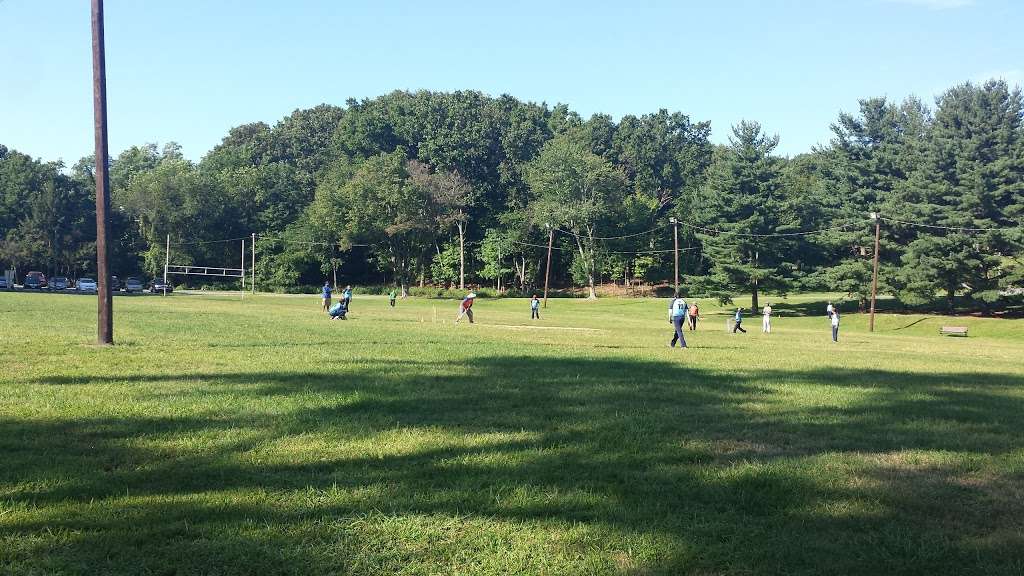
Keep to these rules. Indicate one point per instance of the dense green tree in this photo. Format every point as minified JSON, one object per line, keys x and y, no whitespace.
{"x":742,"y":201}
{"x":579,"y":192}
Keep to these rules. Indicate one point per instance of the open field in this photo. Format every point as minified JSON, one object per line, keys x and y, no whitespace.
{"x":240,"y":436}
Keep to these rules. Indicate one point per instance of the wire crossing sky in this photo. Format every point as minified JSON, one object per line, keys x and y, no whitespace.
{"x":188,"y":71}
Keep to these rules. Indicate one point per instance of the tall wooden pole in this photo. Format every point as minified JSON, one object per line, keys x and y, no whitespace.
{"x":253,"y":271}
{"x":105,"y":307}
{"x":167,"y":262}
{"x":547,"y":271}
{"x":874,"y":275}
{"x":675,"y":237}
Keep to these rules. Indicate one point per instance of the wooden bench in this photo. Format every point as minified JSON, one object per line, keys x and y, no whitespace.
{"x":953,"y":331}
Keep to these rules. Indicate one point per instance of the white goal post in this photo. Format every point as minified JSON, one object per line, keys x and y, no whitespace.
{"x":218,"y":271}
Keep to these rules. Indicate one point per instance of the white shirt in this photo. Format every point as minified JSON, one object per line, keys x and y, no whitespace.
{"x":830,"y":309}
{"x":767,"y":311}
{"x":835,"y":319}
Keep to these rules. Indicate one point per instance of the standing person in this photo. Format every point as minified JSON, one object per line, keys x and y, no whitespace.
{"x":466,"y":308}
{"x":346,"y":296}
{"x":766,"y":319}
{"x":535,"y":308}
{"x":676,"y":315}
{"x":391,"y":297}
{"x":325,"y":296}
{"x":830,"y":309}
{"x":738,"y":321}
{"x":835,"y":325}
{"x":694,"y":315}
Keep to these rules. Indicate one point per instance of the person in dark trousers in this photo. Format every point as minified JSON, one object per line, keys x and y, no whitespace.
{"x":391,"y":297}
{"x":325,"y":296}
{"x":738,"y":321}
{"x":535,"y":308}
{"x":694,"y":316}
{"x":835,"y":325}
{"x":346,"y":297}
{"x":677,"y":310}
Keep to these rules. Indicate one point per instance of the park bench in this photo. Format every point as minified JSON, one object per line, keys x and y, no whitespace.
{"x":953,"y":331}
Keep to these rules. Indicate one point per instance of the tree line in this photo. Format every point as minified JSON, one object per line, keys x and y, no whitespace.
{"x":463,"y":188}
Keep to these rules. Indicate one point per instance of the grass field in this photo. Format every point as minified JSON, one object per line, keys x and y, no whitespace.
{"x":253,"y":436}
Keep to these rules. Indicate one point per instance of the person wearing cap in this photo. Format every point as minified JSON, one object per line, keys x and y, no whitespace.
{"x":766,"y":319}
{"x":466,"y":308}
{"x":738,"y":321}
{"x":676,"y":315}
{"x":535,"y":308}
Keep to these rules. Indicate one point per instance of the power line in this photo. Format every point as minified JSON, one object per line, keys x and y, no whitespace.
{"x":615,"y":237}
{"x":774,"y":235}
{"x":937,"y":227}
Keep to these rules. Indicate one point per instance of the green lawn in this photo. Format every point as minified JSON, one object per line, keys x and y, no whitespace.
{"x":253,"y":436}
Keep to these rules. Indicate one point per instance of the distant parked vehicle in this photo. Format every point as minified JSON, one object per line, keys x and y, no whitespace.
{"x":35,"y":281}
{"x":115,"y":284}
{"x":59,"y":283}
{"x":133,"y":285}
{"x":86,"y":285}
{"x":3,"y":284}
{"x":158,"y":286}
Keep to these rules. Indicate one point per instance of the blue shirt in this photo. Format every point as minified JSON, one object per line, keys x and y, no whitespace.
{"x":326,"y":291}
{"x":739,"y":317}
{"x":678,"y":307}
{"x":535,"y":304}
{"x":347,"y":293}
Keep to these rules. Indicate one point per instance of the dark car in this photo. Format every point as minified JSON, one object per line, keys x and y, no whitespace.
{"x":132,"y":285}
{"x":59,"y":283}
{"x":115,"y":284}
{"x":158,"y":286}
{"x":35,"y":281}
{"x":3,"y":283}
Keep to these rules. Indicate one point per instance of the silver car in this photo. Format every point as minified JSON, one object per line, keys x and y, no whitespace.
{"x":86,"y":285}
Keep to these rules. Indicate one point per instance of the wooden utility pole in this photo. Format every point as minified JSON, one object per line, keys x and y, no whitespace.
{"x":253,"y":271}
{"x":167,"y":262}
{"x":675,"y":238}
{"x":105,"y":304}
{"x":547,"y":271}
{"x":874,"y":276}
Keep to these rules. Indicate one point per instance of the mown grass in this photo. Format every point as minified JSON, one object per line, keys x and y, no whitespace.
{"x":253,"y":436}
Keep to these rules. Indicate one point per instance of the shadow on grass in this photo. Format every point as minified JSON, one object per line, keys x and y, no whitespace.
{"x":718,"y":473}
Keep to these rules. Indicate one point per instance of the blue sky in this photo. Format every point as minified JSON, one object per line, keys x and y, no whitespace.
{"x":188,"y":70}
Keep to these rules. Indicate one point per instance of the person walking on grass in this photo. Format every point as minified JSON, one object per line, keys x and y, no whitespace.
{"x":391,"y":297}
{"x":346,"y":297}
{"x":766,"y":319}
{"x":738,"y":321}
{"x":694,"y":315}
{"x":535,"y":308}
{"x":677,"y":310}
{"x":835,"y":325}
{"x":830,"y":309}
{"x":466,"y":308}
{"x":325,"y":296}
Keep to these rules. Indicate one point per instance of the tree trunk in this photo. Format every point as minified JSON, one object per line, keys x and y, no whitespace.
{"x":753,"y":303}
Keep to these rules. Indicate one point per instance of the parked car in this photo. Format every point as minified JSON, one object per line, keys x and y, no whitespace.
{"x":3,"y":283}
{"x":115,"y":284}
{"x":35,"y":281}
{"x":59,"y":283}
{"x":158,"y":286}
{"x":133,"y":285}
{"x":86,"y":285}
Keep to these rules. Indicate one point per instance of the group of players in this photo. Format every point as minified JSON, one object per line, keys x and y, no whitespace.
{"x":678,"y":313}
